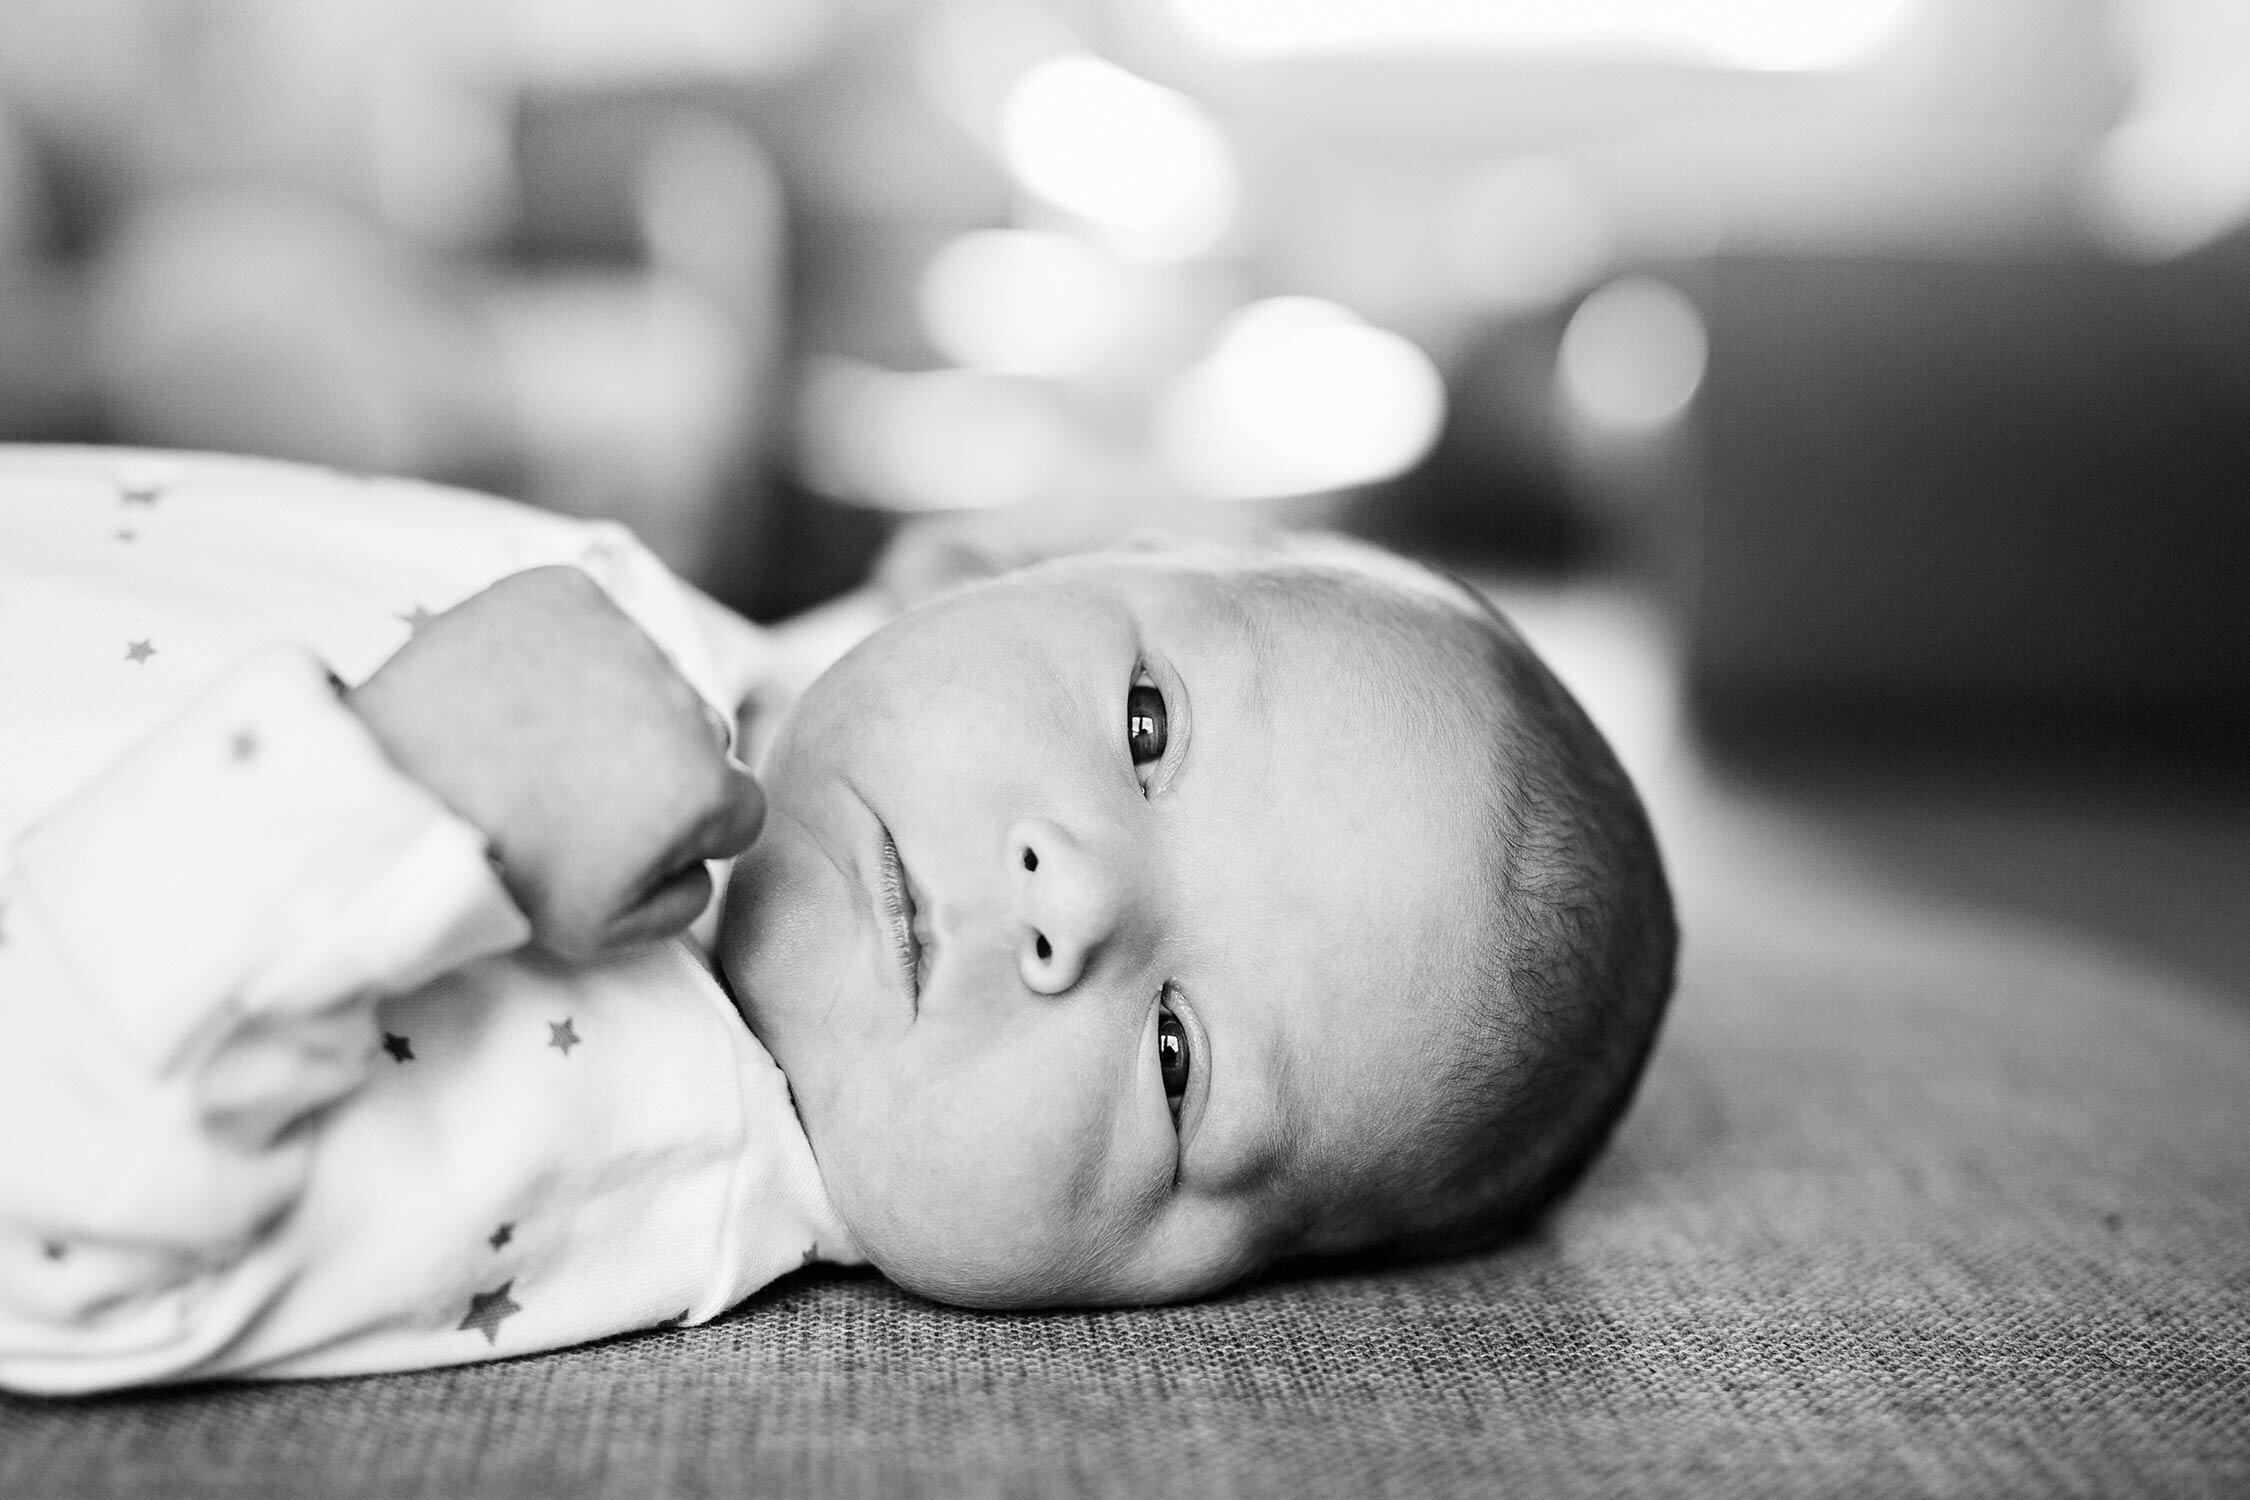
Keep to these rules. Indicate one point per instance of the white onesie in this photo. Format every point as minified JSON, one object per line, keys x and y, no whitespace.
{"x":280,"y":1091}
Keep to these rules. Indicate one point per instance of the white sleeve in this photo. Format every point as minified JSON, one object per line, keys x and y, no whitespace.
{"x":190,"y":953}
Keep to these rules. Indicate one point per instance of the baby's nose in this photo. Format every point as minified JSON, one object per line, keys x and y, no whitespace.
{"x":1068,"y":901}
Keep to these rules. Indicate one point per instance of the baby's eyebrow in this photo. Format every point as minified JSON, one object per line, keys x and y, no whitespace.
{"x":1250,"y":637}
{"x":1264,"y":654}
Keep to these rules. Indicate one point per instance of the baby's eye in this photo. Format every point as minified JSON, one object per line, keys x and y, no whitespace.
{"x":1172,"y":1061}
{"x":1147,"y":725}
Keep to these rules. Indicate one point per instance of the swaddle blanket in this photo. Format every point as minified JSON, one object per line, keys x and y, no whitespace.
{"x":282,"y":1093}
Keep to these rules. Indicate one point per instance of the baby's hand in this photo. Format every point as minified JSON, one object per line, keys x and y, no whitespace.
{"x":541,"y":713}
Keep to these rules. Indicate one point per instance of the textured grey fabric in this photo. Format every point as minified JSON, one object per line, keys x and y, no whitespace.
{"x":1936,"y":1214}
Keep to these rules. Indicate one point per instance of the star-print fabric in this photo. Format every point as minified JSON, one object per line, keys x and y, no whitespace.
{"x":285,"y":1095}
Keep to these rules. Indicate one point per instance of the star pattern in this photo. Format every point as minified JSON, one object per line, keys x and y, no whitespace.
{"x":488,"y":1310}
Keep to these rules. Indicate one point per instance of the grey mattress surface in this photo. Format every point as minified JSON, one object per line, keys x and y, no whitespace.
{"x":1941,"y":1211}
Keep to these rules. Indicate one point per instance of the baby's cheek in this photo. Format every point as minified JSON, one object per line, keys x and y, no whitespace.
{"x":728,"y":943}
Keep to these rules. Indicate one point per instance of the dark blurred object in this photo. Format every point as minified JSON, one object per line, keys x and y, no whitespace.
{"x":643,"y":315}
{"x":1498,"y":485}
{"x":805,"y":549}
{"x":1962,"y":502}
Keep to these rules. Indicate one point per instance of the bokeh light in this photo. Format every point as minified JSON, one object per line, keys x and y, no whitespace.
{"x":1633,"y":355}
{"x":969,"y":53}
{"x":931,"y":441}
{"x":1139,"y":164}
{"x":1024,"y":302}
{"x":2174,"y":173}
{"x":1299,"y":396}
{"x":1756,"y":34}
{"x":582,"y":39}
{"x":1526,"y":233}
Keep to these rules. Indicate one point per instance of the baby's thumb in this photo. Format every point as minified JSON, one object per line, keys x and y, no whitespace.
{"x":740,"y":817}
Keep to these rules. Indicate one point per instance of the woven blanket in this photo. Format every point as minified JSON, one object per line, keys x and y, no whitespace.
{"x":1902,"y":1212}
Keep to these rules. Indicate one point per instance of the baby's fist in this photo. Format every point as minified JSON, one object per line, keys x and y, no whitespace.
{"x":541,"y":713}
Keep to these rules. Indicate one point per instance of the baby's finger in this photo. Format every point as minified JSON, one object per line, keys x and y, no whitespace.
{"x":676,"y":901}
{"x":738,"y":813}
{"x":721,"y":730}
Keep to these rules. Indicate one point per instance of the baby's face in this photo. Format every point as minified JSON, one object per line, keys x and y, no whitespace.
{"x":1104,"y":922}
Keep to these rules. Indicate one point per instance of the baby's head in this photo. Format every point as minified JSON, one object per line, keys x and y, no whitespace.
{"x":1133,"y":921}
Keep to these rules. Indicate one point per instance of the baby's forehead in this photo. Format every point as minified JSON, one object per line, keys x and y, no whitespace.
{"x":1306,"y":563}
{"x":1392,"y":670}
{"x":1323,"y":590}
{"x":1413,"y":631}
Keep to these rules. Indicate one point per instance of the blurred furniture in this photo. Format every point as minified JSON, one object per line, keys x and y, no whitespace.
{"x":1990,"y":496}
{"x":386,"y":258}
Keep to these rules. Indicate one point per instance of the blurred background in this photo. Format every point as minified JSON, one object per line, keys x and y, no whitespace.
{"x":1853,"y":397}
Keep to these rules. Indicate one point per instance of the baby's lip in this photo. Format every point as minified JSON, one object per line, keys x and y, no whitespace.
{"x":895,"y":898}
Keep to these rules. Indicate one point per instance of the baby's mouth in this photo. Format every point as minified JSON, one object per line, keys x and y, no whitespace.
{"x":899,"y":911}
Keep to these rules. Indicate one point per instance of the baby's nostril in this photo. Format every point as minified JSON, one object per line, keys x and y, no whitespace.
{"x":1030,"y":860}
{"x":1043,"y":948}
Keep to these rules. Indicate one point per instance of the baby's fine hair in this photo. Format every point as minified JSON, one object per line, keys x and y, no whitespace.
{"x":1575,"y":976}
{"x":1564,"y":987}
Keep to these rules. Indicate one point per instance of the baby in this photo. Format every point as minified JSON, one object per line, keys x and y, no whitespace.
{"x":1137,"y":920}
{"x":1122,"y":925}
